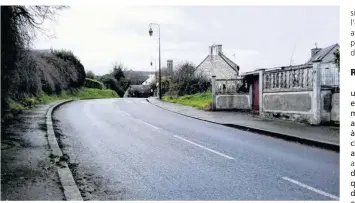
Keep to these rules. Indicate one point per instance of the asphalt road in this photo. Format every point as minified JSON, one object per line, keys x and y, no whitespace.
{"x":129,"y":149}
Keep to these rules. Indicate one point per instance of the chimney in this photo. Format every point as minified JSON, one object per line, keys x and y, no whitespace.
{"x":214,"y":50}
{"x":170,"y":66}
{"x":314,"y":51}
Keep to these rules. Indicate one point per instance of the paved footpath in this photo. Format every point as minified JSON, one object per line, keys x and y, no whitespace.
{"x":27,"y":170}
{"x":324,"y":136}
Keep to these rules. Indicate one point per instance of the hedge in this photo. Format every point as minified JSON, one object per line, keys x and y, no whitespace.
{"x":91,"y":83}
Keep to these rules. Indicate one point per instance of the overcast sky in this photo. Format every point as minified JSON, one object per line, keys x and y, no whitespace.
{"x":253,"y":37}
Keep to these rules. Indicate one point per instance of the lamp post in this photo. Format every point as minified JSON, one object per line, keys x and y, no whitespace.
{"x":150,"y":34}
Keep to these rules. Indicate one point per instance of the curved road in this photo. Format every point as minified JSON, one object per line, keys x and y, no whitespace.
{"x":129,"y":149}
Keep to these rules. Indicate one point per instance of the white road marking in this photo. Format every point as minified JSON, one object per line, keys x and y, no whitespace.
{"x":141,"y":120}
{"x":128,"y":101}
{"x":311,"y":188}
{"x":126,"y":113}
{"x":205,"y":148}
{"x":149,"y":124}
{"x":193,"y":143}
{"x":144,"y":102}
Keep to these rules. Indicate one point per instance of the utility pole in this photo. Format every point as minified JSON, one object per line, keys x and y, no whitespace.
{"x":151,"y":33}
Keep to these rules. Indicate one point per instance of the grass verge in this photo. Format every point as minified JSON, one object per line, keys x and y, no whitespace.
{"x":83,"y":93}
{"x":201,"y":100}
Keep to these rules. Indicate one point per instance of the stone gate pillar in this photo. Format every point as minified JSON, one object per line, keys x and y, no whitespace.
{"x":261,"y":83}
{"x":316,"y":95}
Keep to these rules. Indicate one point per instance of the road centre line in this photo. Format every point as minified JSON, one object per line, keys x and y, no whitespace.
{"x":188,"y":141}
{"x":126,"y":113}
{"x":140,"y":120}
{"x":203,"y":147}
{"x":311,"y":188}
{"x":148,"y":124}
{"x":144,"y":102}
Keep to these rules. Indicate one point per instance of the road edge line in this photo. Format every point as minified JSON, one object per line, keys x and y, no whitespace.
{"x":305,"y":141}
{"x":71,"y":190}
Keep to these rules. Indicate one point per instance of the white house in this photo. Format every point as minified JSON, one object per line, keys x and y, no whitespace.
{"x":151,"y":78}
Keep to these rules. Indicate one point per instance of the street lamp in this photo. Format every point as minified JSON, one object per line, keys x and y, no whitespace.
{"x":151,"y":34}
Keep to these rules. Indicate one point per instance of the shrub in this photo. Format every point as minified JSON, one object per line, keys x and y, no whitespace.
{"x":69,"y":57}
{"x":24,"y":81}
{"x":185,"y":81}
{"x":111,"y":83}
{"x":90,"y":74}
{"x":123,"y":83}
{"x":337,"y":58}
{"x":117,"y":72}
{"x":91,"y":83}
{"x":41,"y":72}
{"x":63,"y":71}
{"x":20,"y":75}
{"x":165,"y":83}
{"x":116,"y":80}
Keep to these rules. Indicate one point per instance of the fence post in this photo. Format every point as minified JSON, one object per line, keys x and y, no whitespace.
{"x":316,"y":94}
{"x":213,"y":92}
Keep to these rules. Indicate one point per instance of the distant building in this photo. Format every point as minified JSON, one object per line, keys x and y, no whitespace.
{"x":216,"y":63}
{"x":326,"y":58}
{"x":151,"y":79}
{"x":323,"y":55}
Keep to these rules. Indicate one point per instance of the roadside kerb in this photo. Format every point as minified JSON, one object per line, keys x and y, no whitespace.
{"x":70,"y":188}
{"x":288,"y":137}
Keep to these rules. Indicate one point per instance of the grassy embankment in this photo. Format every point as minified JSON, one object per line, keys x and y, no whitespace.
{"x":83,"y":93}
{"x":201,"y":100}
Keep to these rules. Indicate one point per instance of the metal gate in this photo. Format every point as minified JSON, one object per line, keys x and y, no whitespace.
{"x":255,"y":99}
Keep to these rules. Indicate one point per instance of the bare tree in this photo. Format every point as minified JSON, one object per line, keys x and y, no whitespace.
{"x":28,"y":20}
{"x":19,"y":25}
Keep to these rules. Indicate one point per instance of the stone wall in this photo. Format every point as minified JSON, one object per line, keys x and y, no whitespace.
{"x":295,"y":93}
{"x":287,"y":101}
{"x":295,"y":106}
{"x":235,"y":101}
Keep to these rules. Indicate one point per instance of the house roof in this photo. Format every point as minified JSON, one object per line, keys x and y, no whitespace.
{"x":226,"y":59}
{"x":229,"y":62}
{"x":202,"y":62}
{"x":322,"y":53}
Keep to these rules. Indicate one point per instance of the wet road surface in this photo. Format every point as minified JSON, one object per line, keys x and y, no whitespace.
{"x":129,"y":149}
